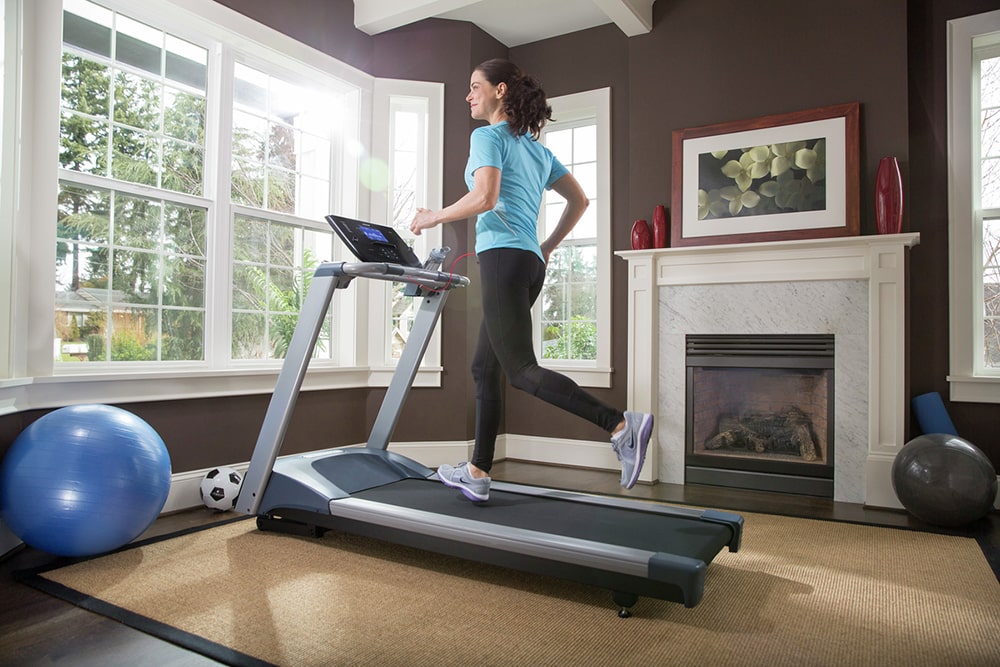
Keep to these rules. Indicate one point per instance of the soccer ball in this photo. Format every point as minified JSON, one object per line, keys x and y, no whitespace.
{"x":220,"y":489}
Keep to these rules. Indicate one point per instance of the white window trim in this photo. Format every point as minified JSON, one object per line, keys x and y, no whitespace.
{"x":28,"y":178}
{"x":11,"y":365}
{"x":428,"y":196}
{"x":965,"y":285}
{"x":591,"y":104}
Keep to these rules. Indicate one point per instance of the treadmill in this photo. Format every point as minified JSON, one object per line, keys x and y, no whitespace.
{"x":631,"y":548}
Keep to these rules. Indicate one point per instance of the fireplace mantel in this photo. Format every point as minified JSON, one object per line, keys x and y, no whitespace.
{"x":658,"y":277}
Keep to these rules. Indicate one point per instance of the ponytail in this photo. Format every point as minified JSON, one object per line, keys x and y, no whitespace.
{"x":524,"y":104}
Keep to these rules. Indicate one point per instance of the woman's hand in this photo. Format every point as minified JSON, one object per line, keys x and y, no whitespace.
{"x":547,"y":249}
{"x":423,"y":219}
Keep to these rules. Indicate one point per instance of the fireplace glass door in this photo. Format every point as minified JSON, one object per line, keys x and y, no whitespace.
{"x":760,"y":412}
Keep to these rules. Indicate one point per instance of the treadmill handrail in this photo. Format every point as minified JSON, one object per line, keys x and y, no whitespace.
{"x":427,"y":278}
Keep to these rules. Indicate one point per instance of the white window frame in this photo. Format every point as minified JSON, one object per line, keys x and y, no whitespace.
{"x":592,"y":105}
{"x":31,"y":95}
{"x":10,"y":150}
{"x":967,"y":379}
{"x":390,"y":94}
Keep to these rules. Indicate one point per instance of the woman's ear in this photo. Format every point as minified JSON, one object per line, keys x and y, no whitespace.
{"x":501,"y":89}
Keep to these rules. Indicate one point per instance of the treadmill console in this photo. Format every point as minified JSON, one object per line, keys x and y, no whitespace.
{"x":373,"y":243}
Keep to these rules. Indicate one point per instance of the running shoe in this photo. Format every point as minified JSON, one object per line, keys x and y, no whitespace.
{"x":458,"y":477}
{"x":630,"y":445}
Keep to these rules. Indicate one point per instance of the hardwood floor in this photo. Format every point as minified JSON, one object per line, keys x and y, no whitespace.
{"x":37,"y":629}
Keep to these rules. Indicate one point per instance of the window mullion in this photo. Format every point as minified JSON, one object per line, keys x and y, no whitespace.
{"x":218,"y":168}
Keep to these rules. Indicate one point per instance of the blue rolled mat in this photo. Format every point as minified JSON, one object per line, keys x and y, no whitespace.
{"x":931,"y":414}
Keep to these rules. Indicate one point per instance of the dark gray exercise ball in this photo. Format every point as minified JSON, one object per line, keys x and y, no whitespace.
{"x":944,"y":480}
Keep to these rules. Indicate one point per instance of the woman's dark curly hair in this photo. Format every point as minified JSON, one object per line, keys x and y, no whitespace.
{"x":524,"y":102}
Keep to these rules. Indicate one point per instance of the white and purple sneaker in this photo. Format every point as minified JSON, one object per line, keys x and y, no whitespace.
{"x":630,"y":445}
{"x":458,"y":477}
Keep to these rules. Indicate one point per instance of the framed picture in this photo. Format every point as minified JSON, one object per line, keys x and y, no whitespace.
{"x":775,"y":178}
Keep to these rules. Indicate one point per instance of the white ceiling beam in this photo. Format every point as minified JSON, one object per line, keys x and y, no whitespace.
{"x":375,"y":16}
{"x":633,"y":17}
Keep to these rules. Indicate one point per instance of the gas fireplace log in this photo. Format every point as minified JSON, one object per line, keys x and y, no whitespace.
{"x":786,"y":432}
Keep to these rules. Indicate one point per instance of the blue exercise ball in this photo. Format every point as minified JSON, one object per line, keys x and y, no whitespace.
{"x":84,"y":480}
{"x":944,"y":480}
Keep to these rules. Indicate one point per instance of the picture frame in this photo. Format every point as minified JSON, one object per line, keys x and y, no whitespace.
{"x":774,"y":178}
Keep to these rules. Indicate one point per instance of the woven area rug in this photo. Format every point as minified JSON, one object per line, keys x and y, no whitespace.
{"x":799,"y":592}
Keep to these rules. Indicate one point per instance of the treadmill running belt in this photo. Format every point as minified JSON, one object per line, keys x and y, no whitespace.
{"x":651,"y":531}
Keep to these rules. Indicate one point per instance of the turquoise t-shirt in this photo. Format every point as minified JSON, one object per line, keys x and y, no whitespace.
{"x":527,"y":168}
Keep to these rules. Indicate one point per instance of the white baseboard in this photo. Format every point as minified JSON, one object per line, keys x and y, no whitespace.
{"x":560,"y":451}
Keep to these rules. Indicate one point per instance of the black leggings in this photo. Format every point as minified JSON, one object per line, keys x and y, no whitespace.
{"x":511,"y":281}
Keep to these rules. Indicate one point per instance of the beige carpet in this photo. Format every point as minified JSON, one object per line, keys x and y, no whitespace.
{"x":799,"y":592}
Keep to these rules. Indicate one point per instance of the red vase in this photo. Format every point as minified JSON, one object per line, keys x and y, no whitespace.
{"x":660,"y":227}
{"x":641,"y":237}
{"x":888,"y":197}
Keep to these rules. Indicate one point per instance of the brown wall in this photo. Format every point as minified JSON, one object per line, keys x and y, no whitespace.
{"x":704,"y":62}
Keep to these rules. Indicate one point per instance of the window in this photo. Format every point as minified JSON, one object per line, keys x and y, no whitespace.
{"x":280,"y":186}
{"x":573,"y":314}
{"x":131,"y":224}
{"x":405,"y":174}
{"x":169,"y":245}
{"x":974,"y":207}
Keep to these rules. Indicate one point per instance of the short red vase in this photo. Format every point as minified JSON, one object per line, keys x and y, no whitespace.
{"x":660,"y":227}
{"x":642,"y":239}
{"x":888,"y":197}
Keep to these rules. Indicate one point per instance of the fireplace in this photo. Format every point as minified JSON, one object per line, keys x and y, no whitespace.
{"x":853,"y":288}
{"x":759,"y":412}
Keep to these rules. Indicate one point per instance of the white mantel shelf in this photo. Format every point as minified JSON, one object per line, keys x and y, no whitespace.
{"x":880,"y":261}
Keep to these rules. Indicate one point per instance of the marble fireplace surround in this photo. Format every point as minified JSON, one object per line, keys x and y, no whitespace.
{"x":853,"y":288}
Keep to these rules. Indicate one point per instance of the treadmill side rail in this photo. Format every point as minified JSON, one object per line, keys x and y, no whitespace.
{"x":587,"y":553}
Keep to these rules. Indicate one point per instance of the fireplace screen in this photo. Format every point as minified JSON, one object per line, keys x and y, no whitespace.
{"x":760,"y":412}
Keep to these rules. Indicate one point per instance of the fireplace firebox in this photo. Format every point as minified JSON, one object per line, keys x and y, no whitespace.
{"x":760,"y":412}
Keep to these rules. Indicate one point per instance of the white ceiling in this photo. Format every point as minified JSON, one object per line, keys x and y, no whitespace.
{"x":512,"y":22}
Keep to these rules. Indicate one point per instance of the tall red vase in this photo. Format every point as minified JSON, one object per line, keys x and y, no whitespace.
{"x":660,"y":227}
{"x":642,"y":239}
{"x":888,"y":197}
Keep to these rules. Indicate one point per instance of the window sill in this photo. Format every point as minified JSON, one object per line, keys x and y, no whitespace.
{"x":974,"y":389}
{"x":585,"y":377}
{"x":20,"y":394}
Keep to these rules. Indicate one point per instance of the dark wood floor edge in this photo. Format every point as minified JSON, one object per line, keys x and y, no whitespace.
{"x":149,"y":626}
{"x":991,"y":551}
{"x":64,"y":561}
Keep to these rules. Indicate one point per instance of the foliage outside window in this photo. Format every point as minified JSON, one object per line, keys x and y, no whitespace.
{"x":282,"y":146}
{"x":166,"y":171}
{"x":132,"y":235}
{"x":569,"y":297}
{"x":572,"y":317}
{"x":131,"y":226}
